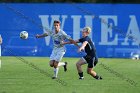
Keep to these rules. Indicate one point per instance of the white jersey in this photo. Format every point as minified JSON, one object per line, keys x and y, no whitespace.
{"x":58,"y":38}
{"x":59,"y":49}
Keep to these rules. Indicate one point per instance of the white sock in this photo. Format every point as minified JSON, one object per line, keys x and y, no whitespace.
{"x":61,"y":64}
{"x":56,"y":72}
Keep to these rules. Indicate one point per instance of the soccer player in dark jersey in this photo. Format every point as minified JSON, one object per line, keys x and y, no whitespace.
{"x":90,"y":58}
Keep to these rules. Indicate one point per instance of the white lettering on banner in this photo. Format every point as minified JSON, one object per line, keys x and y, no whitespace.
{"x":45,"y":23}
{"x":108,"y":37}
{"x":106,"y":32}
{"x":88,"y":22}
{"x":133,"y":30}
{"x":76,"y":26}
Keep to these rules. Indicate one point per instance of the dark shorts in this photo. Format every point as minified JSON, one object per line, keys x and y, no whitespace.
{"x":91,"y":61}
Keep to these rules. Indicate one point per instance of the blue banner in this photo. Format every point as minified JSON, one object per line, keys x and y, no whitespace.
{"x":115,"y":27}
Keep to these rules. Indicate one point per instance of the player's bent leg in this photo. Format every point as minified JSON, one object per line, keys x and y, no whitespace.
{"x":52,"y":58}
{"x":93,"y":73}
{"x":79,"y":69}
{"x":59,"y":57}
{"x":64,"y":64}
{"x":55,"y":64}
{"x":52,"y":63}
{"x":56,"y":69}
{"x":61,"y":64}
{"x":78,"y":65}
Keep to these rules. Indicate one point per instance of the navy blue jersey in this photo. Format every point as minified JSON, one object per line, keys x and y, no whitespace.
{"x":89,"y":48}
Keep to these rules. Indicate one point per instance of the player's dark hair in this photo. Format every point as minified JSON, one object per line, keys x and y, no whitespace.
{"x":56,"y":21}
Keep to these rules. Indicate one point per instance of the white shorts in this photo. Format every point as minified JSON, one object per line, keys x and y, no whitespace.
{"x":57,"y":54}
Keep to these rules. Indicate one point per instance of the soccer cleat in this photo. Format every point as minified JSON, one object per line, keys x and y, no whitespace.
{"x":54,"y":77}
{"x":81,"y":78}
{"x":99,"y":78}
{"x":65,"y":66}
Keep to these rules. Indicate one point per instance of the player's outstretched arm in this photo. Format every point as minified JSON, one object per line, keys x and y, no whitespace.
{"x":74,"y":42}
{"x":69,"y":42}
{"x":83,"y":46}
{"x":64,"y":43}
{"x":42,"y":35}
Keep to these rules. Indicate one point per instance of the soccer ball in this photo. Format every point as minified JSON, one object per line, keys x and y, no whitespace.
{"x":23,"y":34}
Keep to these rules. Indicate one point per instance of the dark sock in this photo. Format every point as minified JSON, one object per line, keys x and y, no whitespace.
{"x":96,"y":77}
{"x":81,"y":74}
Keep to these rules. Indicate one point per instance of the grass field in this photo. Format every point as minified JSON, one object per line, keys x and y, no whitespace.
{"x":19,"y":77}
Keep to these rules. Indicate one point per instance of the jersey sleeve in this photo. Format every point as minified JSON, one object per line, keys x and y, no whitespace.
{"x":65,"y":35}
{"x":83,"y":39}
{"x":49,"y":32}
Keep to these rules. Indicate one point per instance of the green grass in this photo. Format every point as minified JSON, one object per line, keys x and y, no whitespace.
{"x":18,"y":77}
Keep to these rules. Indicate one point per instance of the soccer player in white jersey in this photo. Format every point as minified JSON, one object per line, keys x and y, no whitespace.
{"x":59,"y":50}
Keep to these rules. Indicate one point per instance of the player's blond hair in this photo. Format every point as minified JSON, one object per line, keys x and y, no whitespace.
{"x":87,"y":29}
